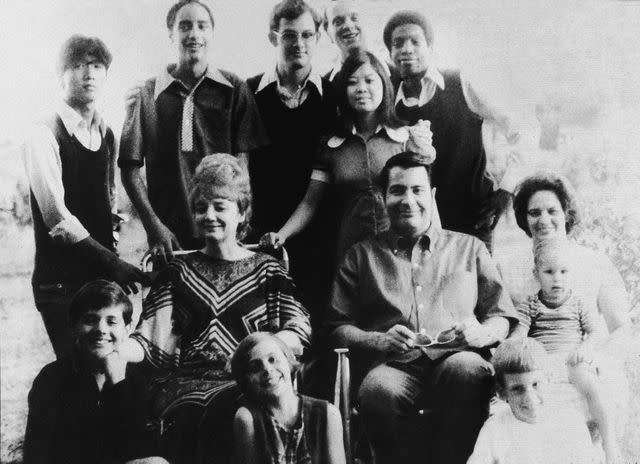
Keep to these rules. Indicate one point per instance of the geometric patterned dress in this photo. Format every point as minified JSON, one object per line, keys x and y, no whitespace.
{"x":196,"y":314}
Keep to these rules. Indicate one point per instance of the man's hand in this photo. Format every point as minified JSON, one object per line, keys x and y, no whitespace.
{"x":126,"y":275}
{"x":271,"y":240}
{"x":421,"y":138}
{"x":470,"y":332}
{"x":398,"y":339}
{"x":132,"y":95}
{"x":162,"y":243}
{"x":115,"y":368}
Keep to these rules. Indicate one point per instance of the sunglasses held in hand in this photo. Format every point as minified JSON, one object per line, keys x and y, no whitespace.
{"x":443,"y":337}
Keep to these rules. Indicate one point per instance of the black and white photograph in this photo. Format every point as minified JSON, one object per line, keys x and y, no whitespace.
{"x":320,"y":232}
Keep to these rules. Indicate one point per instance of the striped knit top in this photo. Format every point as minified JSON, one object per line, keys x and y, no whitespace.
{"x":200,"y":308}
{"x":560,"y":329}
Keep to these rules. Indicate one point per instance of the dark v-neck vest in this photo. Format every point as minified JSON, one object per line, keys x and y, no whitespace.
{"x":87,"y":178}
{"x":464,"y":188}
{"x":280,"y":172}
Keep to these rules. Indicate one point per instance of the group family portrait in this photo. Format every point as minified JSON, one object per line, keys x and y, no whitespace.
{"x":320,"y":231}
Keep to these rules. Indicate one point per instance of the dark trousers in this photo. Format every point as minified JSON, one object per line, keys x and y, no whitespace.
{"x":52,"y":301}
{"x":458,"y":388}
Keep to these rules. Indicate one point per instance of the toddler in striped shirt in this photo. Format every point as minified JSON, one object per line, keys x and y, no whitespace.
{"x":558,"y":319}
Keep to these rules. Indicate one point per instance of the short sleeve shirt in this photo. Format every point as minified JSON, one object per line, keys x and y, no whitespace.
{"x":352,"y":166}
{"x":560,"y":329}
{"x":442,"y":278}
{"x":225,"y":120}
{"x":561,"y":437}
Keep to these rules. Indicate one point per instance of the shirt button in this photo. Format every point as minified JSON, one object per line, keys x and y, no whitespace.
{"x":418,"y":288}
{"x":395,"y":252}
{"x":420,"y":306}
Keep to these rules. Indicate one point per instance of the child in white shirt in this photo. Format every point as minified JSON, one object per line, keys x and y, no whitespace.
{"x":529,"y":431}
{"x":558,"y":319}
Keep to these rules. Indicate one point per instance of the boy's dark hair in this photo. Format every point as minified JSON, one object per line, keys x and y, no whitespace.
{"x":240,"y":359}
{"x":405,"y":160}
{"x":290,"y":10}
{"x":518,"y":356}
{"x":76,"y":47}
{"x":386,"y":111}
{"x":96,"y":295}
{"x":173,"y":11}
{"x":407,"y":17}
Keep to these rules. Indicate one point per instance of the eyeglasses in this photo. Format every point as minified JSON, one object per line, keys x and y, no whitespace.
{"x":443,"y":337}
{"x":291,"y":37}
{"x":424,"y":340}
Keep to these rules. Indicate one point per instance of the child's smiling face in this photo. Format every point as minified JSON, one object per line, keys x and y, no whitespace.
{"x":268,"y":370}
{"x":99,"y":332}
{"x":525,"y":394}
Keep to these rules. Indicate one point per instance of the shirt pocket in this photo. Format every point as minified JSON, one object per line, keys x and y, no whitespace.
{"x":458,"y":293}
{"x":213,"y":123}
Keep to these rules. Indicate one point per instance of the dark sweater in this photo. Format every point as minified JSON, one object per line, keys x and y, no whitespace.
{"x":464,"y":189}
{"x":280,"y":172}
{"x":87,"y":177}
{"x":280,"y":175}
{"x":70,"y":421}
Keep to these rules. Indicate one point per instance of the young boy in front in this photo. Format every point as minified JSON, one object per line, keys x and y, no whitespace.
{"x":84,"y":408}
{"x":529,"y":432}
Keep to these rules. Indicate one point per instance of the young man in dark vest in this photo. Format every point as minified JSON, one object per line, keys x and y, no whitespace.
{"x":70,"y":161}
{"x":467,"y":199}
{"x":297,"y":107}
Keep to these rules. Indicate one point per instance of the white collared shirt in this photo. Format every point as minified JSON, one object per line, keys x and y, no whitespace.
{"x":478,"y":104}
{"x":165,"y":79}
{"x":89,"y":136}
{"x":291,"y":99}
{"x":431,"y":80}
{"x":43,"y":166}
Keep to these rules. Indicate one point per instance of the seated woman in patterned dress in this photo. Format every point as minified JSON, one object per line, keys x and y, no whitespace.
{"x":204,"y":303}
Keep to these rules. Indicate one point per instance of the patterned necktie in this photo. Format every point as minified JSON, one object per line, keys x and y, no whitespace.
{"x":186,"y":136}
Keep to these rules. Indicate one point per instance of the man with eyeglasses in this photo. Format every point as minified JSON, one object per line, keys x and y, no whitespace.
{"x":419,"y":306}
{"x":297,"y":107}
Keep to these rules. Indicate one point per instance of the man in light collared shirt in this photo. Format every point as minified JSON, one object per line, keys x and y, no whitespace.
{"x":467,"y":197}
{"x":69,"y":161}
{"x":298,"y":107}
{"x":174,"y":120}
{"x":419,"y":306}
